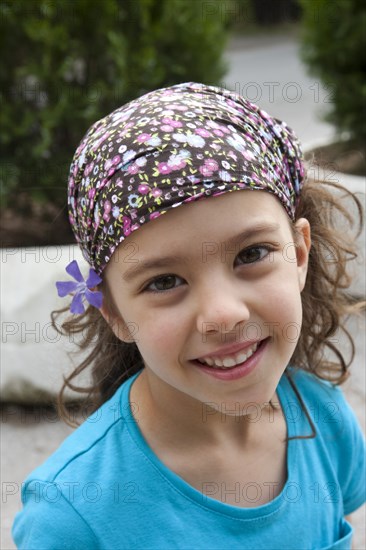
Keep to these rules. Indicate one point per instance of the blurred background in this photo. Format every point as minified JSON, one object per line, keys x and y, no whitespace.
{"x":67,"y":63}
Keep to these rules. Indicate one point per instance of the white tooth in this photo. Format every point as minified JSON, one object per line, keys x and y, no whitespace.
{"x":227,"y":362}
{"x":250,"y":353}
{"x":241,"y":357}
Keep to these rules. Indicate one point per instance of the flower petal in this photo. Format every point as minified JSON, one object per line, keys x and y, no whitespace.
{"x":93,"y":279}
{"x":74,"y":270}
{"x":65,"y":287}
{"x":77,"y":305}
{"x":94,"y":298}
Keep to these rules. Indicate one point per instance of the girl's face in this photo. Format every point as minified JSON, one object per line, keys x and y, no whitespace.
{"x":227,"y":272}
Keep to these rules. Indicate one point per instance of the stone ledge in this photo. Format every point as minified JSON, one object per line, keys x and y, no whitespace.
{"x":34,"y":357}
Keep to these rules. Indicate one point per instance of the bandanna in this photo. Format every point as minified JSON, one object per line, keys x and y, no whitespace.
{"x":167,"y":148}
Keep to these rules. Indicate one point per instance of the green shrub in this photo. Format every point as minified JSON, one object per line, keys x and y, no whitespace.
{"x":334,"y":48}
{"x":67,"y":63}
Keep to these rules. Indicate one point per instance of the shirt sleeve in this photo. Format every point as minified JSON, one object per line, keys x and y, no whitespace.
{"x":48,"y":521}
{"x":352,"y":463}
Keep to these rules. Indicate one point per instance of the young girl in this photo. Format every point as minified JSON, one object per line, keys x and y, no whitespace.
{"x":218,"y":280}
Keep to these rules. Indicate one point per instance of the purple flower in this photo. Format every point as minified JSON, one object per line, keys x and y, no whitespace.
{"x":143,"y":189}
{"x":164,"y":168}
{"x":143,"y":137}
{"x":202,"y":132}
{"x":80,"y":288}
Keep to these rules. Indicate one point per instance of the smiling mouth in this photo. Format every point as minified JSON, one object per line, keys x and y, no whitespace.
{"x":233,"y":360}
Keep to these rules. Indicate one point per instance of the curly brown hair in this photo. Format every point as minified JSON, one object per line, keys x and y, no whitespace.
{"x":325,"y":300}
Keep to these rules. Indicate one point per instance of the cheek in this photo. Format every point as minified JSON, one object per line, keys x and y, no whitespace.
{"x":160,"y":322}
{"x":290,"y":317}
{"x":159,"y":333}
{"x":281,"y":300}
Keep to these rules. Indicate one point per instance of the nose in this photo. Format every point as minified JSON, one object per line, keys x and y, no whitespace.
{"x":221,"y":309}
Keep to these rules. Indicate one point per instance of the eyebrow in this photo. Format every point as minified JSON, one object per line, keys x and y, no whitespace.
{"x":166,"y":261}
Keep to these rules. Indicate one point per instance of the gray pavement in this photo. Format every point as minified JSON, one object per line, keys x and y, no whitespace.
{"x":268,"y":72}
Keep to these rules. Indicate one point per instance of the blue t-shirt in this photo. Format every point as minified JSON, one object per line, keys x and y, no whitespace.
{"x":105,"y":488}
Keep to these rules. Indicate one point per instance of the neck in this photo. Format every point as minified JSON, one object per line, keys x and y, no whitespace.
{"x":171,"y":416}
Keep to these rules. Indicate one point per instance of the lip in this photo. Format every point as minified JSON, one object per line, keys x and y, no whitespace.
{"x":240,"y":371}
{"x":224,"y":351}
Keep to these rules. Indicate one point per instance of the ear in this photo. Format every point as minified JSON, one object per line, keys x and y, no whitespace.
{"x":118,"y":325}
{"x":303,"y":245}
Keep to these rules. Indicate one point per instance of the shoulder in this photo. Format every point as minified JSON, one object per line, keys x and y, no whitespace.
{"x":48,"y":517}
{"x":313,"y":405}
{"x":73,"y":484}
{"x":338,"y":433}
{"x":310,"y":384}
{"x":323,"y":398}
{"x":91,"y":451}
{"x":327,"y":405}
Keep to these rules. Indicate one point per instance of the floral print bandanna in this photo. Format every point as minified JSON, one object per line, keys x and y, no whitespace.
{"x":170,"y":147}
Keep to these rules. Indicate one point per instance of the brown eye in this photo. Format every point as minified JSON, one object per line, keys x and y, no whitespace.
{"x":254,"y":254}
{"x":165,"y":283}
{"x":162,"y":284}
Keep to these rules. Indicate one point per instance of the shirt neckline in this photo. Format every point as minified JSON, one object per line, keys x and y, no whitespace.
{"x":178,"y":484}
